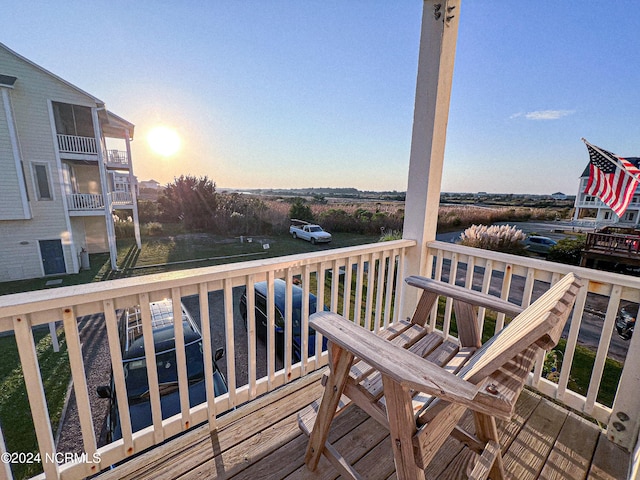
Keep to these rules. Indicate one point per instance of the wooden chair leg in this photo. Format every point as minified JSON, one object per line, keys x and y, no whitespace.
{"x":340,"y":364}
{"x":487,"y":431}
{"x":402,"y":427}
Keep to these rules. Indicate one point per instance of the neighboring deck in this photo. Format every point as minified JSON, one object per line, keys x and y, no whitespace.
{"x":261,"y":440}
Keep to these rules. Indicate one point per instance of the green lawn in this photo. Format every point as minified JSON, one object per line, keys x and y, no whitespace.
{"x":15,"y":414}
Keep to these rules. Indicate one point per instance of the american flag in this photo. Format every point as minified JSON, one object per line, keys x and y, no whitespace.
{"x":611,"y":178}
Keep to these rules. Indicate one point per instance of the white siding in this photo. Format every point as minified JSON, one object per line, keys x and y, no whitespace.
{"x":19,"y":257}
{"x":11,"y":198}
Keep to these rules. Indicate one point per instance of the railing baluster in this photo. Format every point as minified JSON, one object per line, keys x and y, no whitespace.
{"x":371,"y":275}
{"x":603,"y":347}
{"x":35,"y":391}
{"x":357,"y":309}
{"x":379,"y":292}
{"x":152,"y":371}
{"x":304,"y":321}
{"x":504,"y":294}
{"x":399,"y":296}
{"x":486,"y":284}
{"x":230,"y":342}
{"x":113,"y":339}
{"x":448,"y":306}
{"x":181,"y":357}
{"x":388,"y":296}
{"x":80,"y":389}
{"x":251,"y":335}
{"x":207,"y":353}
{"x":321,"y":272}
{"x":572,"y":339}
{"x":271,"y":343}
{"x":288,"y":324}
{"x":346,"y":289}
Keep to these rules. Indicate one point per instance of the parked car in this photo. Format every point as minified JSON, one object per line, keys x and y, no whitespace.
{"x":135,"y":368}
{"x":626,"y":321}
{"x":279,"y":288}
{"x":311,"y":233}
{"x":538,"y":244}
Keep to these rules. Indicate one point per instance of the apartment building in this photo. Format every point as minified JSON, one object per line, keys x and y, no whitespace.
{"x":66,"y":163}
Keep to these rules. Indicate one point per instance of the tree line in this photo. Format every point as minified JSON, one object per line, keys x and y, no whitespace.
{"x":196,"y":205}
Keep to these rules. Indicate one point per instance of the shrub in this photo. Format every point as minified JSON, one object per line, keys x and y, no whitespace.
{"x":500,"y":238}
{"x":568,"y":250}
{"x":153,"y":229}
{"x":301,"y":211}
{"x":390,"y":235}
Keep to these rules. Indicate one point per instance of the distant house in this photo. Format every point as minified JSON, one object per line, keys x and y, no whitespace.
{"x":591,"y":208}
{"x":150,"y":184}
{"x":66,"y":167}
{"x":558,"y":196}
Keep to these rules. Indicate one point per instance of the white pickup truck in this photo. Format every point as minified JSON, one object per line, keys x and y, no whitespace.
{"x":311,"y":233}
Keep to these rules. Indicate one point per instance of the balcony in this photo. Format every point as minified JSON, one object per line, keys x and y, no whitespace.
{"x":121,"y":199}
{"x":117,"y":159}
{"x":79,"y":203}
{"x":76,"y":144}
{"x":259,"y":433}
{"x":85,"y":202}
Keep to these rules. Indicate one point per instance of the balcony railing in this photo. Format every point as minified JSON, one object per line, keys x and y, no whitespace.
{"x":363,"y":283}
{"x":77,"y":144}
{"x":121,"y":198}
{"x":85,"y":201}
{"x":117,"y":158}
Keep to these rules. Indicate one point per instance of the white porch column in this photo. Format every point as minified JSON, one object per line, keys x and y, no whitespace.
{"x":104,"y":185}
{"x":431,"y":114}
{"x":132,"y":189}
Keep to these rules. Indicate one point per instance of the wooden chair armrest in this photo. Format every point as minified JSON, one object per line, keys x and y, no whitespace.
{"x":401,"y":365}
{"x":465,"y":295}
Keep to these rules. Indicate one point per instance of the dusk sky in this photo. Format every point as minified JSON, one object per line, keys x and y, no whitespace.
{"x":308,"y":93}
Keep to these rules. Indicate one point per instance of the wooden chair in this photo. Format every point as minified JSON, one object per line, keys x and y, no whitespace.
{"x":419,"y":386}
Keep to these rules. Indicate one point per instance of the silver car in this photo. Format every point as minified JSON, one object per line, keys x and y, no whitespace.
{"x":538,"y":244}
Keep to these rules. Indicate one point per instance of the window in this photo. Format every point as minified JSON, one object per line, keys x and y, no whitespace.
{"x":41,"y":178}
{"x":73,"y":119}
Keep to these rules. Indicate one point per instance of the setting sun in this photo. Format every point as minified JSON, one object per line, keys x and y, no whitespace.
{"x":164,"y":141}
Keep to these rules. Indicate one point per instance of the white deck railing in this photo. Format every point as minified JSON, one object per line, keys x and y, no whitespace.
{"x":121,"y":198}
{"x":85,"y":201}
{"x":355,"y":279}
{"x":76,"y":144}
{"x":117,"y":158}
{"x":367,"y":282}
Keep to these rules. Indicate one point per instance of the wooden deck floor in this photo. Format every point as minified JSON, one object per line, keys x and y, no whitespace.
{"x":261,"y":440}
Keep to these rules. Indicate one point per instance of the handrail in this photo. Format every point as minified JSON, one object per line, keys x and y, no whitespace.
{"x":76,"y":144}
{"x":85,"y":201}
{"x":368,"y":270}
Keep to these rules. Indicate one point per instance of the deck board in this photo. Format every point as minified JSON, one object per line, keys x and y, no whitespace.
{"x":261,"y":440}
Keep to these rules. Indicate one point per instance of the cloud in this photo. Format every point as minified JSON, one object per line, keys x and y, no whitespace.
{"x":544,"y":114}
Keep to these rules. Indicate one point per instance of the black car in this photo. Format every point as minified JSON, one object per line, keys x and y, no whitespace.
{"x":135,"y":369}
{"x":279,"y":288}
{"x":626,"y":321}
